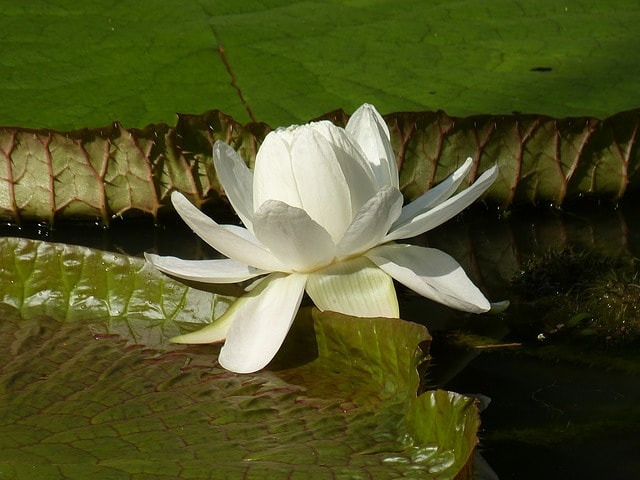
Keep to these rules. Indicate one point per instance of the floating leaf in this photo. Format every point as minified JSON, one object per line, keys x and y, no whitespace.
{"x":69,"y":64}
{"x":114,"y":172}
{"x":338,"y":401}
{"x":69,"y":283}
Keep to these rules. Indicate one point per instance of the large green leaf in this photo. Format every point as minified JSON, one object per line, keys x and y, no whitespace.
{"x":69,"y":283}
{"x":339,"y":401}
{"x":69,"y":64}
{"x":113,"y":172}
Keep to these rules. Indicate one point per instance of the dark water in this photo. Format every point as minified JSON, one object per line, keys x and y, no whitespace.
{"x":561,"y":407}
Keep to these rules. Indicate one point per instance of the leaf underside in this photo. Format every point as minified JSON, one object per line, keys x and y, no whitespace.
{"x":115,"y":172}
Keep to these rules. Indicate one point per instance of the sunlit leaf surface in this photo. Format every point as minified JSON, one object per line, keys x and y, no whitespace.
{"x":339,"y":401}
{"x":69,"y":64}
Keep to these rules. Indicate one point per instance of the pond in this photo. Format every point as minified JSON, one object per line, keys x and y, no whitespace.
{"x":564,"y":388}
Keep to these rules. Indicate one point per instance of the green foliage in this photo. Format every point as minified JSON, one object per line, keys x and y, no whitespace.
{"x":69,"y":65}
{"x":339,"y":400}
{"x":71,"y":283}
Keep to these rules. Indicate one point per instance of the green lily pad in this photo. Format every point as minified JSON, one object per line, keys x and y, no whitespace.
{"x":70,"y":283}
{"x":339,"y":400}
{"x":68,"y":65}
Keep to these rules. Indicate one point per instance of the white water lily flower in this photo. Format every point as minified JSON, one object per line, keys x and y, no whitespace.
{"x":322,"y":212}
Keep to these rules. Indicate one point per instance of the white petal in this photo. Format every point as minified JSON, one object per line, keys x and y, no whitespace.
{"x":214,"y":332}
{"x":435,"y":195}
{"x":236,"y":179}
{"x":272,"y":174}
{"x":292,"y":236}
{"x":372,"y":222}
{"x":223,"y":239}
{"x":446,"y":210}
{"x":261,"y":322}
{"x":321,"y":183}
{"x":243,"y":233}
{"x":210,"y":271}
{"x":355,"y":166}
{"x":431,"y":273}
{"x":370,"y":131}
{"x":354,"y":287}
